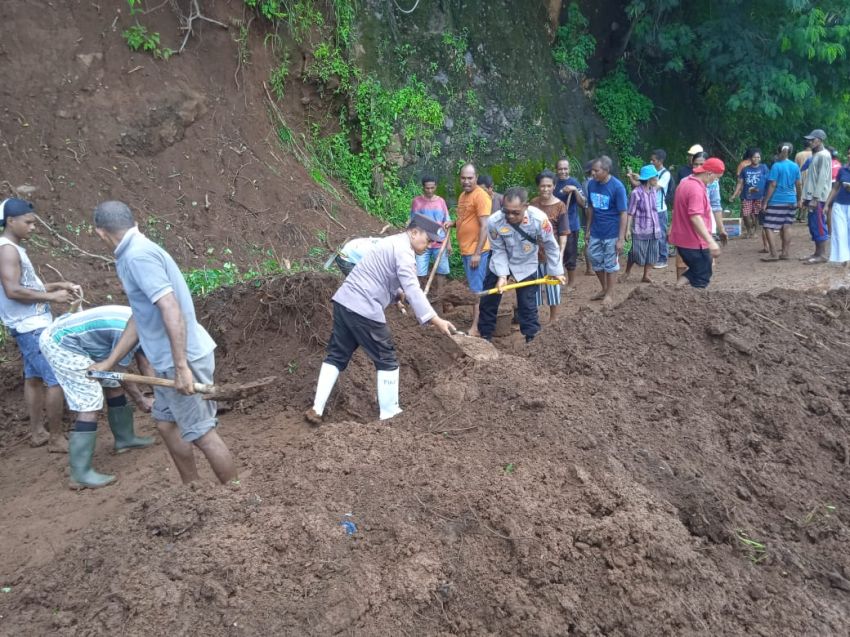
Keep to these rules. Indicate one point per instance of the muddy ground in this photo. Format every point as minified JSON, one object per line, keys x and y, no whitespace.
{"x":674,"y":465}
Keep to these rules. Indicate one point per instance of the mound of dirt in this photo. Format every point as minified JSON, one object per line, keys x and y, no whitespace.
{"x":280,"y":326}
{"x":672,"y":466}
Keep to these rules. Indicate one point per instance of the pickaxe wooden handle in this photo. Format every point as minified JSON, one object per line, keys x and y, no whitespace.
{"x":201,"y":388}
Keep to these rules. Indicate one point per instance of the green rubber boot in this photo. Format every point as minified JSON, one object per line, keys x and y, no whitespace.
{"x":80,"y":452}
{"x":121,"y":424}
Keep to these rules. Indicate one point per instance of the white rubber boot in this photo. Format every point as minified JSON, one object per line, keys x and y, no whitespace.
{"x":388,"y":394}
{"x":327,"y":379}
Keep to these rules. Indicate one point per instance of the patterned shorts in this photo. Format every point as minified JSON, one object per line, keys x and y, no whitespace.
{"x":750,"y":207}
{"x":82,"y":394}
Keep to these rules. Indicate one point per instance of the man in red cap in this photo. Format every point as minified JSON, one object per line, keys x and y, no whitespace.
{"x":690,"y":231}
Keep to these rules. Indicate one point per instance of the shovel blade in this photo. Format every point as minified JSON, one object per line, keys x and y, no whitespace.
{"x":476,"y":348}
{"x":237,"y":391}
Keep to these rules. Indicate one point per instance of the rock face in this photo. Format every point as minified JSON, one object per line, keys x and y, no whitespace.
{"x":490,"y":65}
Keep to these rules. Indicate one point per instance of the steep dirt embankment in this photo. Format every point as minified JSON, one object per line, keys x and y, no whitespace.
{"x":187,"y":142}
{"x":673,"y":466}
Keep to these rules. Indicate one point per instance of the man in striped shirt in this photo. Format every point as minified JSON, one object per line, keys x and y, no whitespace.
{"x":72,"y":344}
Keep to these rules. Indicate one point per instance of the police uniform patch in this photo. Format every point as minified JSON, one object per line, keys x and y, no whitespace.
{"x":527,"y":247}
{"x":547,"y":227}
{"x":505,"y":230}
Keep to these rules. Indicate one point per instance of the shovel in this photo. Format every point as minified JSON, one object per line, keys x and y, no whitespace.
{"x":477,"y":349}
{"x":546,"y":280}
{"x":230,"y":391}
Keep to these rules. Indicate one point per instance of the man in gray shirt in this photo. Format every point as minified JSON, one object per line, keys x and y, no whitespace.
{"x":175,"y":343}
{"x":816,"y":189}
{"x":385,"y":274}
{"x":516,"y":232}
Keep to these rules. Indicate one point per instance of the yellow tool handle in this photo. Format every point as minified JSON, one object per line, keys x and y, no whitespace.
{"x":512,"y":286}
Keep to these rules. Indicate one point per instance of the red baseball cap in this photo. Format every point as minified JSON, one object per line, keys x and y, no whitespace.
{"x":711,"y":165}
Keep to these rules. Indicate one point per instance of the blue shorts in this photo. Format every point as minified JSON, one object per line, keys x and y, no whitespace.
{"x":423,"y":262}
{"x":475,"y":276}
{"x":35,"y":365}
{"x":603,"y":255}
{"x":817,"y":223}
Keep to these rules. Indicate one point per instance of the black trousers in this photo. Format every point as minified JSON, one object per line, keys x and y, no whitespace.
{"x":350,"y":331}
{"x":526,"y":302}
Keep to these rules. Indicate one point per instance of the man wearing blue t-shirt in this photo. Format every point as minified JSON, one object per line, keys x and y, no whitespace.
{"x":783,"y":197}
{"x":568,"y":190}
{"x":606,"y":225}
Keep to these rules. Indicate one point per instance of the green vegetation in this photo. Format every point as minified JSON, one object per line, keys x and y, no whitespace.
{"x":457,"y":45}
{"x":754,"y":550}
{"x":138,"y":37}
{"x":573,"y":44}
{"x":623,"y":109}
{"x":277,"y":77}
{"x":776,"y":83}
{"x":406,"y":118}
{"x":202,"y":281}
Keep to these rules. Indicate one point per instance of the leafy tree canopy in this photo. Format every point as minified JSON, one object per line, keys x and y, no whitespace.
{"x":764,"y":68}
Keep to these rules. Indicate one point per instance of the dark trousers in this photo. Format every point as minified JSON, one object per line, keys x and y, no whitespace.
{"x":526,"y":302}
{"x":350,"y":331}
{"x":571,"y":252}
{"x":699,"y":262}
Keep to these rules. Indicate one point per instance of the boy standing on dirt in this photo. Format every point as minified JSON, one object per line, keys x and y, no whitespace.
{"x":386,"y":274}
{"x":433,"y":206}
{"x":73,"y":344}
{"x":516,"y":233}
{"x":25,"y":312}
{"x":176,"y":345}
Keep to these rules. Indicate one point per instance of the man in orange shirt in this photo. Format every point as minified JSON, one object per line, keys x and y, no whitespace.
{"x":473,"y":211}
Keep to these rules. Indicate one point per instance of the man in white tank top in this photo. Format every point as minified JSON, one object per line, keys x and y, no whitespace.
{"x":25,"y":311}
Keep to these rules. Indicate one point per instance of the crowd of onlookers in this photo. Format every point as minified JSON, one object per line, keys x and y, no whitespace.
{"x":653,"y":214}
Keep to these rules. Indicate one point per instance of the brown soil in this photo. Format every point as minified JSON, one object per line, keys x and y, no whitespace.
{"x":674,"y":465}
{"x":603,"y":480}
{"x":194,"y":155}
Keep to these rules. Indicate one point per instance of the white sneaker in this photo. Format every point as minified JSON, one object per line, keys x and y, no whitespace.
{"x":659,"y":266}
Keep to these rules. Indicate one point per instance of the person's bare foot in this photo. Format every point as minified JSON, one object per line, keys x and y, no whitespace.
{"x":570,"y":289}
{"x":474,"y":332}
{"x":589,"y":273}
{"x":57,"y":444}
{"x":598,"y":296}
{"x":39,"y":438}
{"x":607,"y":301}
{"x":681,"y":282}
{"x":312,"y":417}
{"x":624,"y":277}
{"x":646,"y":279}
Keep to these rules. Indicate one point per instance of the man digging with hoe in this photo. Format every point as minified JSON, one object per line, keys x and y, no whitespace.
{"x":177,"y":346}
{"x":384,"y":275}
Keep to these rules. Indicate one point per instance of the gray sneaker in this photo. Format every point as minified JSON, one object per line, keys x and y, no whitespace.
{"x":659,"y":266}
